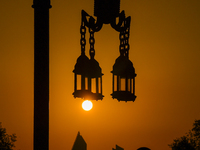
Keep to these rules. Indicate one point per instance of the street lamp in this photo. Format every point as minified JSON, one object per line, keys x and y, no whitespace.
{"x":88,"y":70}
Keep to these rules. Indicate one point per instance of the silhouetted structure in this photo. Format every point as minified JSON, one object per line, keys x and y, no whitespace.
{"x":79,"y":143}
{"x":87,"y":72}
{"x":118,"y":148}
{"x":143,"y":148}
{"x":41,"y":74}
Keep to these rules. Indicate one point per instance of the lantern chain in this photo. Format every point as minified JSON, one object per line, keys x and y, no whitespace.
{"x":122,"y":43}
{"x":82,"y":41}
{"x":126,"y":42}
{"x":91,"y":41}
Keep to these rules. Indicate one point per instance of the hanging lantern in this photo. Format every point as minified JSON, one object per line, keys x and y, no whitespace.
{"x":95,"y":75}
{"x":123,"y":79}
{"x":123,"y":71}
{"x":81,"y":72}
{"x":95,"y":81}
{"x":87,"y":79}
{"x":87,"y":72}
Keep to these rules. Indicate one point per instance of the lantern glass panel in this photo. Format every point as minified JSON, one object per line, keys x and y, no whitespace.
{"x":78,"y":82}
{"x":86,"y":83}
{"x":129,"y":84}
{"x":93,"y":88}
{"x":98,"y":85}
{"x":132,"y":85}
{"x":123,"y":84}
{"x":115,"y":83}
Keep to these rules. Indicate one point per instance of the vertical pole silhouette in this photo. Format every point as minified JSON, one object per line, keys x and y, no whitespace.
{"x":41,"y":74}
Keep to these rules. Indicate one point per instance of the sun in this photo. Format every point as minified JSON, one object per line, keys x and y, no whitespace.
{"x":87,"y":105}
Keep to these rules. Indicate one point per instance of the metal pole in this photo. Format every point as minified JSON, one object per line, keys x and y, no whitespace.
{"x":41,"y":74}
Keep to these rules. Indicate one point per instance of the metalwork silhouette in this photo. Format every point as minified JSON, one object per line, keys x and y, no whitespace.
{"x":89,"y":71}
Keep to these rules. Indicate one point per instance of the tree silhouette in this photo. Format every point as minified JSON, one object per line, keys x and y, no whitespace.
{"x":6,"y":140}
{"x":190,"y":141}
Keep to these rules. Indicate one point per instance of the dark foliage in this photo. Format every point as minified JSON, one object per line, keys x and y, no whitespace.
{"x":6,"y":140}
{"x":190,"y":141}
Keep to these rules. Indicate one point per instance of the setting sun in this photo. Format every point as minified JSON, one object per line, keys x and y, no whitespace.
{"x":87,"y":105}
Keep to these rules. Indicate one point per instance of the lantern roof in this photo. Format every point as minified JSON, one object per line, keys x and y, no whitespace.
{"x":81,"y":66}
{"x":95,"y":69}
{"x":123,"y":67}
{"x":87,"y":67}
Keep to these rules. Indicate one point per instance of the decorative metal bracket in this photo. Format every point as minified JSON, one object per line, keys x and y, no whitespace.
{"x":106,"y":12}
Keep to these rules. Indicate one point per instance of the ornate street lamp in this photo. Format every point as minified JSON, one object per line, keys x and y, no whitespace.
{"x":88,"y":70}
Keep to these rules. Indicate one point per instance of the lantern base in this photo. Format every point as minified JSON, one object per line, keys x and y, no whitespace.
{"x":86,"y":94}
{"x":123,"y":96}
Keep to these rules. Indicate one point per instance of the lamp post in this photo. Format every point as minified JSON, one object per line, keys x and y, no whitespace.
{"x":88,"y":70}
{"x":41,"y":74}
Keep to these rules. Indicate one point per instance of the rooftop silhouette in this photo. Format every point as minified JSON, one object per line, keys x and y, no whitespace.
{"x":118,"y":148}
{"x":143,"y":148}
{"x":80,"y":144}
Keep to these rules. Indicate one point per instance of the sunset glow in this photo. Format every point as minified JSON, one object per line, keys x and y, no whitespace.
{"x":165,"y":52}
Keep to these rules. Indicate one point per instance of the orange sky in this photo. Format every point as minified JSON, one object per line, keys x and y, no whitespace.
{"x":165,"y":51}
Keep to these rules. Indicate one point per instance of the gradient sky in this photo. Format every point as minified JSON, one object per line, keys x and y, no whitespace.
{"x":165,"y":51}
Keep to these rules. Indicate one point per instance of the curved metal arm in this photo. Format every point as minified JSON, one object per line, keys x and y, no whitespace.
{"x":116,"y":26}
{"x":122,"y":19}
{"x":83,"y":18}
{"x":96,"y":26}
{"x":91,"y":23}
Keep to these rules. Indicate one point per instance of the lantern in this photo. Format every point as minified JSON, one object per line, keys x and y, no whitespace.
{"x":81,"y":72}
{"x":123,"y":79}
{"x":87,"y":79}
{"x":95,"y":81}
{"x":87,"y":72}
